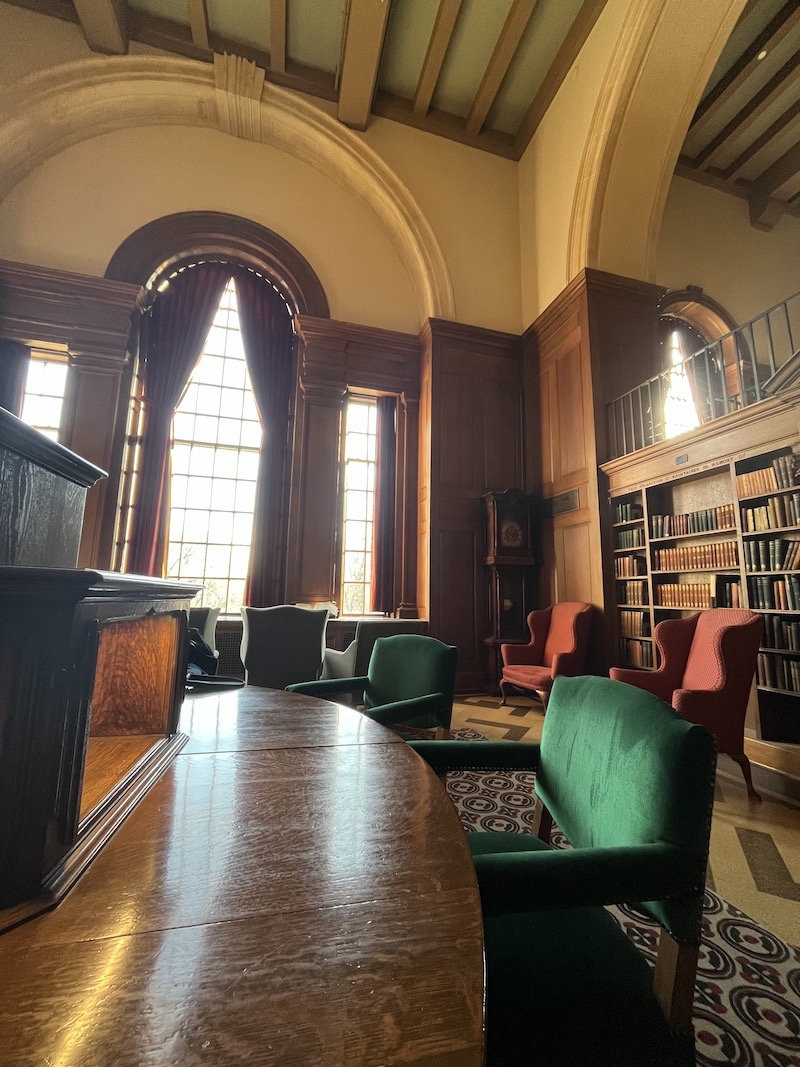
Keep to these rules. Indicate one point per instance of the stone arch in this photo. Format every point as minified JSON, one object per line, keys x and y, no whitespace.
{"x":54,"y":109}
{"x":664,"y":57}
{"x":170,"y":240}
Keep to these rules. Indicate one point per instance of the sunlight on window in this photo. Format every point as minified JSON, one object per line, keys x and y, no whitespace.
{"x":44,"y":395}
{"x":680,"y":412}
{"x":359,"y":503}
{"x":217,"y":436}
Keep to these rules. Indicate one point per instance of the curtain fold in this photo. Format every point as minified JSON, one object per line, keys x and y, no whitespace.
{"x":172,"y":334}
{"x":269,"y":347}
{"x":383,"y":524}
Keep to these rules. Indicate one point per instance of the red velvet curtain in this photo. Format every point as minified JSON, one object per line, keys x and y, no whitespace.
{"x":382,"y":585}
{"x":172,"y":335}
{"x":269,"y":346}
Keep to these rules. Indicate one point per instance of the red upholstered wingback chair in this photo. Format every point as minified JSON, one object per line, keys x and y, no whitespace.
{"x":559,"y":644}
{"x":707,"y":663}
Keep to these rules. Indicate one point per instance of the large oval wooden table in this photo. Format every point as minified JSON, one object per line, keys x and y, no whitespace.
{"x":295,"y":890}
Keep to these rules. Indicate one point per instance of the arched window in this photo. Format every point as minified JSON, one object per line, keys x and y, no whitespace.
{"x":204,"y":489}
{"x":703,"y":370}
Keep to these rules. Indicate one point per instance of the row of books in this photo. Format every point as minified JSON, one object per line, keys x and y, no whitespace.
{"x":778,"y":513}
{"x":780,"y":474}
{"x":729,"y":595}
{"x":719,"y":518}
{"x":634,"y":624}
{"x":629,"y":566}
{"x":633,"y":538}
{"x":633,"y":593}
{"x":627,"y":512}
{"x":684,"y":595}
{"x":636,"y":653}
{"x":777,"y":672}
{"x":782,"y":594}
{"x":694,"y":557}
{"x":777,"y":554}
{"x":781,"y":633}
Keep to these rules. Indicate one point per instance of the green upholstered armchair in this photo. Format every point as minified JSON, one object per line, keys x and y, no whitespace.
{"x":411,"y":680}
{"x":631,"y":784}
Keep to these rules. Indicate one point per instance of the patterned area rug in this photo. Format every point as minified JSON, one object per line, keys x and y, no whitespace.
{"x":747,"y":995}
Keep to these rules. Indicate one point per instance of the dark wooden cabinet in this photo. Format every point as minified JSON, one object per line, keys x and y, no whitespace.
{"x":92,"y":671}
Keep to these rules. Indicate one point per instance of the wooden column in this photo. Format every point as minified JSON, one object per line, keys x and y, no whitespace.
{"x":470,"y":443}
{"x":14,"y":359}
{"x":90,"y":319}
{"x":338,"y":359}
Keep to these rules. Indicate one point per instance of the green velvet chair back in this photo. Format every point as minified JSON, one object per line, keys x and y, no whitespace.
{"x":619,"y":767}
{"x":407,"y":666}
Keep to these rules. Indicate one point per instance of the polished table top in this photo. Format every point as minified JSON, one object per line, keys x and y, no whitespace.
{"x":295,"y":889}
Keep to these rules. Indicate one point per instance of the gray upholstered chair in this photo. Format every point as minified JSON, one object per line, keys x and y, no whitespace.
{"x":283,"y":644}
{"x":205,"y":620}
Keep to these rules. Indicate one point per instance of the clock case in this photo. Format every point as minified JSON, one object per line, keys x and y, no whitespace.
{"x":511,"y":570}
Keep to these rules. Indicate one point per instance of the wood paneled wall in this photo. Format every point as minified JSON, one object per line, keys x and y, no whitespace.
{"x":470,"y":443}
{"x":595,"y":341}
{"x":90,"y":319}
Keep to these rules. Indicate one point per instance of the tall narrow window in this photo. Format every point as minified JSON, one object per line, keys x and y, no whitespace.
{"x":216,"y":441}
{"x":359,"y":505}
{"x":44,"y":394}
{"x":680,"y":412}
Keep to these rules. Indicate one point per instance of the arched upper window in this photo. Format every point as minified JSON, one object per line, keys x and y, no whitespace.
{"x":705,"y":372}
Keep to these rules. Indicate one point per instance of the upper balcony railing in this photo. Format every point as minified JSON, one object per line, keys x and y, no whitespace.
{"x":752,"y":362}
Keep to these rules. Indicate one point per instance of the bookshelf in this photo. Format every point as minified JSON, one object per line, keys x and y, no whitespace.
{"x":724,"y":536}
{"x":632,"y":585}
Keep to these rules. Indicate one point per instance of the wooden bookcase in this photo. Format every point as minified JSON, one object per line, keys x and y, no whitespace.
{"x":713,"y":520}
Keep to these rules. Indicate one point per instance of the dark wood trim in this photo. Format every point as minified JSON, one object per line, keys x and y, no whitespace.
{"x":41,"y":305}
{"x":189,"y":235}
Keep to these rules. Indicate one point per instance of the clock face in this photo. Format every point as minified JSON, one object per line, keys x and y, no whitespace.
{"x":510,"y":534}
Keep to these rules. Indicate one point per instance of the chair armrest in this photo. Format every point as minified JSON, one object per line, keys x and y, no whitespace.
{"x":408,"y":710}
{"x":446,"y":756}
{"x":651,"y":681}
{"x":569,"y":663}
{"x":515,"y":653}
{"x":514,"y":882}
{"x":328,"y":686}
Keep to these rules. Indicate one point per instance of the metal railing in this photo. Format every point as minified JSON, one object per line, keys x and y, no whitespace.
{"x":733,"y":372}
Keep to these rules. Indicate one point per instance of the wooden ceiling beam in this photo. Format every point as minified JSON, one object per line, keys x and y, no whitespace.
{"x":443,"y":124}
{"x":778,"y":84}
{"x":565,"y":57}
{"x":365,"y":28}
{"x":104,"y":25}
{"x":786,"y":120}
{"x":437,"y":49}
{"x":769,"y":38}
{"x":198,"y":22}
{"x":277,"y":35}
{"x":504,"y":51}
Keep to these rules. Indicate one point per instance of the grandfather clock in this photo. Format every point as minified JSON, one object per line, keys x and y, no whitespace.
{"x":511,"y":569}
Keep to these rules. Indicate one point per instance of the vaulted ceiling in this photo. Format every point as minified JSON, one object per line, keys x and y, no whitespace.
{"x":482,"y":72}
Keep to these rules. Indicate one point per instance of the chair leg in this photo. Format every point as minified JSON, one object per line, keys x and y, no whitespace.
{"x":503,"y":693}
{"x":542,"y":822}
{"x":744,"y":763}
{"x":441,"y":734}
{"x":673,"y":981}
